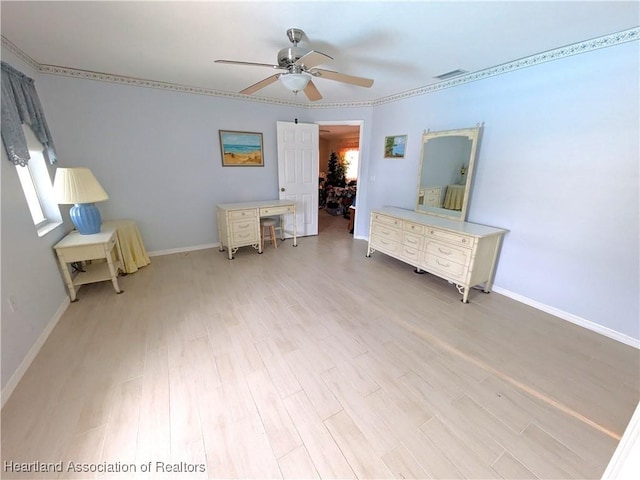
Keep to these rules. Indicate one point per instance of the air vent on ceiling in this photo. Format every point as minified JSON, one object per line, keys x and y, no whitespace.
{"x":452,"y":73}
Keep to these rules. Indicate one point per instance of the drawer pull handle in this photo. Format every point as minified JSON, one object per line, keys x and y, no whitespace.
{"x":444,"y":252}
{"x":447,"y":265}
{"x":464,"y":240}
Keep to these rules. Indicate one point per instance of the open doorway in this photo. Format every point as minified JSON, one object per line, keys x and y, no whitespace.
{"x":339,"y":165}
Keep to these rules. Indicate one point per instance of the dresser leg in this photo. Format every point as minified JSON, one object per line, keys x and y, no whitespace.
{"x":465,"y":295}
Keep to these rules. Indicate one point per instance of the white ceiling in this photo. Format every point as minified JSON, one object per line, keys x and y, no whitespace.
{"x":401,"y":45}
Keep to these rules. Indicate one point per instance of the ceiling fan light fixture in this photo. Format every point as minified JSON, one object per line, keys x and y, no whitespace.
{"x":295,"y":82}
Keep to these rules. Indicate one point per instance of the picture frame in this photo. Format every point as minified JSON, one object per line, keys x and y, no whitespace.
{"x":395,"y":146}
{"x":241,"y":149}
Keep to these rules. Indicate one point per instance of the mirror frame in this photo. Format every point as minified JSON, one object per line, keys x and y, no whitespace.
{"x":472,"y":134}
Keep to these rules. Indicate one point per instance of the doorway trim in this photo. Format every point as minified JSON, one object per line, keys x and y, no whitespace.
{"x":360,"y":125}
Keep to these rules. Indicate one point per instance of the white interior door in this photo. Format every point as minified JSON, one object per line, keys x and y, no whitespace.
{"x":298,"y":145}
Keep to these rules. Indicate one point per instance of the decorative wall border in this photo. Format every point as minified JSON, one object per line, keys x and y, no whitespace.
{"x":6,"y":43}
{"x":624,"y":36}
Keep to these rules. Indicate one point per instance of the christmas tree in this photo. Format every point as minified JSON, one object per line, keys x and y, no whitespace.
{"x":336,"y":174}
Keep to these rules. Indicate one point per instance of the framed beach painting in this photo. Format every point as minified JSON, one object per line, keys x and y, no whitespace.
{"x":394,"y":146}
{"x":241,"y":149}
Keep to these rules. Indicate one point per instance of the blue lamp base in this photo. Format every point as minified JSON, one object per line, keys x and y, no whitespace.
{"x":86,"y":218}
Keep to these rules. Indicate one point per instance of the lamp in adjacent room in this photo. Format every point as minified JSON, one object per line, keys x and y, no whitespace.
{"x":78,"y":186}
{"x":295,"y":82}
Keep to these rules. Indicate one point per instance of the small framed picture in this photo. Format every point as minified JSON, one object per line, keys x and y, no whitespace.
{"x":395,"y":146}
{"x":241,"y":149}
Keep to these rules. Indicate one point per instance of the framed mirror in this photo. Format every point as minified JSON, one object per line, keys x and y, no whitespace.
{"x":446,"y":172}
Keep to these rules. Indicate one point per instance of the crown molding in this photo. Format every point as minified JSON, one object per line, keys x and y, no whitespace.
{"x":624,"y":36}
{"x":6,"y":43}
{"x":140,"y":82}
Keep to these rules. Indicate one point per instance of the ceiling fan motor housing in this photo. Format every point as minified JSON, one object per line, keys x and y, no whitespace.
{"x":287,"y":57}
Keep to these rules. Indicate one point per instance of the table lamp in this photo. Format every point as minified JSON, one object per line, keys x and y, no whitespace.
{"x":80,"y":187}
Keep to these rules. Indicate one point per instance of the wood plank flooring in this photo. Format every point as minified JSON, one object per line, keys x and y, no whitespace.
{"x":314,"y":362}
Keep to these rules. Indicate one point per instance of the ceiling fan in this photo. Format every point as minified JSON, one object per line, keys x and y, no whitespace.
{"x":300,"y":65}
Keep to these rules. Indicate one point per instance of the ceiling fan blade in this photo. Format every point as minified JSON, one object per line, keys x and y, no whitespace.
{"x":261,"y":84}
{"x":313,"y":58}
{"x":312,"y":92}
{"x":341,"y":77}
{"x":251,"y":64}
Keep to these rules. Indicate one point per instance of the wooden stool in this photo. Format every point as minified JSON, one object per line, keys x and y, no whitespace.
{"x":270,"y":224}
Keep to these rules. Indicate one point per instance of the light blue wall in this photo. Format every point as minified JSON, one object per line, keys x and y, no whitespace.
{"x":157,"y":153}
{"x":558,"y":167}
{"x":29,"y":269}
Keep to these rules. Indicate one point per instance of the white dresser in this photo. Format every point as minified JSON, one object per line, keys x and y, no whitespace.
{"x":461,"y":252}
{"x":239,"y":223}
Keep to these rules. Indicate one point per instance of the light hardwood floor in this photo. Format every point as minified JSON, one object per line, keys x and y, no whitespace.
{"x":315,"y":362}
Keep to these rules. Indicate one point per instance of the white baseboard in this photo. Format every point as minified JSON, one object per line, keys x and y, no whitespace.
{"x":170,"y":251}
{"x":588,"y":324}
{"x":35,"y":348}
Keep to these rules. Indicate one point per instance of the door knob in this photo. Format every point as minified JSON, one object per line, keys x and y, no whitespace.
{"x":282,"y":189}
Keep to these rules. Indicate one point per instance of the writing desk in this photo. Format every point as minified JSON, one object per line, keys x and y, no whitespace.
{"x":239,"y":223}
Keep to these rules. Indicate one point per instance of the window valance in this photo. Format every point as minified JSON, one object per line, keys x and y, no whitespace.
{"x":20,"y":104}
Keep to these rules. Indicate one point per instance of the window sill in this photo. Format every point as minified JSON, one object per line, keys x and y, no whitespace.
{"x":47,"y":227}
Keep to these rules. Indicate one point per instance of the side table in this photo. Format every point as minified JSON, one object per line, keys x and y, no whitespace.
{"x":82,"y":248}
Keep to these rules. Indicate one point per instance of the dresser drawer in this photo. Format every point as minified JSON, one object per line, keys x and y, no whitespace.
{"x":414,"y":228}
{"x":410,"y":255}
{"x":386,"y":220}
{"x":243,"y":225}
{"x":85,"y":252}
{"x":433,"y":197}
{"x":245,"y":237}
{"x":265,"y":212}
{"x":432,"y":201}
{"x":385,"y":245}
{"x":447,"y":268}
{"x":412,"y":240}
{"x":448,"y":252}
{"x":249,"y":213}
{"x":384,"y":231}
{"x":447,"y":236}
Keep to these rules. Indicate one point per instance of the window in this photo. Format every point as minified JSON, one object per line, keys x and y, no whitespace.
{"x":37,"y":187}
{"x":29,"y":188}
{"x":351,"y":156}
